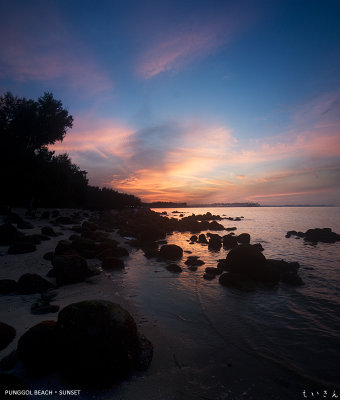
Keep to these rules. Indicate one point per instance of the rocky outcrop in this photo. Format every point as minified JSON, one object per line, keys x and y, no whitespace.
{"x":33,"y":283}
{"x":324,"y":235}
{"x":171,"y":252}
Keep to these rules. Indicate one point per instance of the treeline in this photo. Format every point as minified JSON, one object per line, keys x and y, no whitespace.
{"x":30,"y":171}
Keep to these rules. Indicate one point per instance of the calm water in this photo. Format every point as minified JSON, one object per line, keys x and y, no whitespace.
{"x":297,"y":328}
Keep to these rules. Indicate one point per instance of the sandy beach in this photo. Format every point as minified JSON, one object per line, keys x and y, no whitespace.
{"x":190,"y":360}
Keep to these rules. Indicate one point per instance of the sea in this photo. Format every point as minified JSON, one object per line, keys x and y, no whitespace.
{"x":296,"y":328}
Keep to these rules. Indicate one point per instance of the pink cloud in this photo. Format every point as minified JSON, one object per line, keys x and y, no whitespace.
{"x":189,"y":42}
{"x":42,"y":48}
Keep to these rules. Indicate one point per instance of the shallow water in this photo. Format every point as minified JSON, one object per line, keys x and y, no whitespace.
{"x":295,"y":327}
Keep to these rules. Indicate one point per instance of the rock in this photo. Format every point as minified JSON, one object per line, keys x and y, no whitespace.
{"x":64,"y":247}
{"x":21,"y":248}
{"x":24,"y":225}
{"x":192,"y":267}
{"x":48,"y":256}
{"x":65,"y":221}
{"x":233,"y":228}
{"x":258,"y":246}
{"x":193,"y":238}
{"x":174,"y":268}
{"x":202,"y":238}
{"x":215,"y":242}
{"x":7,"y":334}
{"x":324,"y":235}
{"x":70,"y":269}
{"x":55,"y":213}
{"x":38,"y":348}
{"x":243,"y":238}
{"x":291,"y":278}
{"x":99,"y":343}
{"x":43,"y":307}
{"x":229,"y":242}
{"x":194,"y":261}
{"x":247,"y":260}
{"x":9,"y":361}
{"x":48,"y":231}
{"x":235,"y":280}
{"x":7,"y":286}
{"x":32,"y":283}
{"x":171,"y":252}
{"x":45,"y":215}
{"x":151,"y":253}
{"x":9,"y":234}
{"x":213,"y":271}
{"x":112,"y":263}
{"x":208,"y":276}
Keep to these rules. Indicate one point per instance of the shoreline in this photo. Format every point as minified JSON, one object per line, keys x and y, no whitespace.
{"x":191,"y":360}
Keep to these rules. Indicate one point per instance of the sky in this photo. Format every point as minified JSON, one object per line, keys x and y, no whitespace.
{"x":195,"y":101}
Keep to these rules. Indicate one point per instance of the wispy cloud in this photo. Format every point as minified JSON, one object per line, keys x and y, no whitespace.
{"x":36,"y":45}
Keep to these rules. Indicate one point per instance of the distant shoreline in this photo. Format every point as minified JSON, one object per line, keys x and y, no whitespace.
{"x":235,"y":205}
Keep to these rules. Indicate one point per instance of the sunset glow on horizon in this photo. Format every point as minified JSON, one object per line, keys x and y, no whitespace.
{"x":195,"y":101}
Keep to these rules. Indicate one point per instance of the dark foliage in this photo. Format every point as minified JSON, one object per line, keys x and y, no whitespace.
{"x":30,"y":171}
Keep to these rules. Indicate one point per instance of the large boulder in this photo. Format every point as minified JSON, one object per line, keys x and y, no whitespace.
{"x":215,"y":242}
{"x":325,"y":235}
{"x":70,"y":269}
{"x":248,"y":260}
{"x":112,"y":263}
{"x":38,"y":350}
{"x":8,"y":234}
{"x":171,"y":252}
{"x":7,"y":334}
{"x":32,"y":283}
{"x":99,"y":343}
{"x":229,"y":241}
{"x":174,"y":268}
{"x":243,"y":238}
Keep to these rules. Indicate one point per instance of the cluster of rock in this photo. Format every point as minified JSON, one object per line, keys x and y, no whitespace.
{"x":94,"y":343}
{"x":246,"y":265}
{"x":324,"y":235}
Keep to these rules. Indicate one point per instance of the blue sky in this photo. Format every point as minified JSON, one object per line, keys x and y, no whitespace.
{"x":197,"y":101}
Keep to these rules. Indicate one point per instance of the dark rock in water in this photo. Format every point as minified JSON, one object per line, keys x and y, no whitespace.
{"x":243,"y":238}
{"x":46,"y":215}
{"x":222,"y":265}
{"x":193,"y":238}
{"x":215,"y":242}
{"x":151,"y":253}
{"x":282,"y":266}
{"x":8,"y":234}
{"x":202,"y":238}
{"x":24,"y":225}
{"x":233,"y":228}
{"x":99,"y":343}
{"x":38,"y":349}
{"x":65,"y":221}
{"x":246,"y":259}
{"x":208,"y":276}
{"x":64,"y":247}
{"x":291,"y":278}
{"x":32,"y":283}
{"x":48,"y":256}
{"x":70,"y":269}
{"x":12,"y":382}
{"x":7,"y":334}
{"x":21,"y":248}
{"x":112,"y":263}
{"x":192,"y":267}
{"x":7,"y":286}
{"x":174,"y":268}
{"x":258,"y":246}
{"x":194,"y":261}
{"x":229,"y":241}
{"x":324,"y":235}
{"x":213,"y":271}
{"x":236,"y":280}
{"x":171,"y":252}
{"x":43,"y":307}
{"x":48,"y":230}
